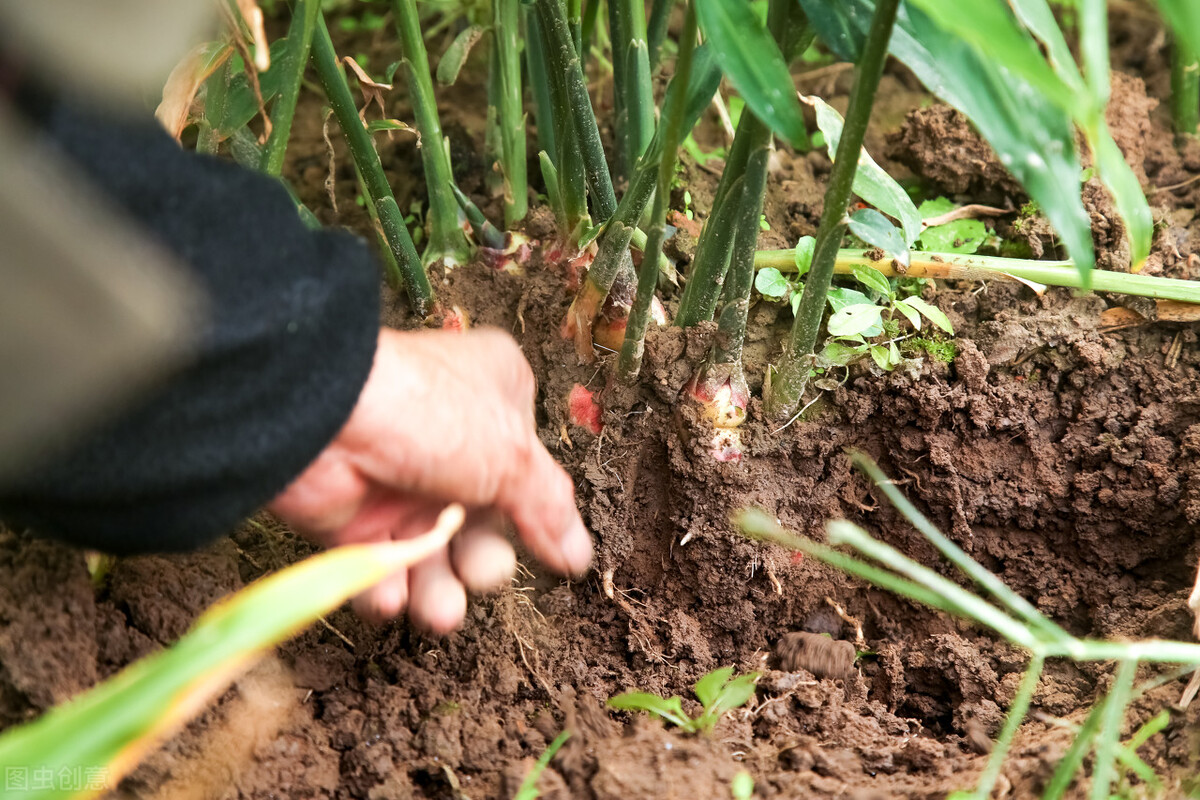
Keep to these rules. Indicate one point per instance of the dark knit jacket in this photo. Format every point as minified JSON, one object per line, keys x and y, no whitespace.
{"x":290,"y":336}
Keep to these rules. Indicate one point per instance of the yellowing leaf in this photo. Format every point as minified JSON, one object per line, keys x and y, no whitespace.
{"x":184,"y":81}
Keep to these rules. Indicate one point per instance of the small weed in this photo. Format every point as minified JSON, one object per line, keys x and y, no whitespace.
{"x":528,"y":789}
{"x":742,"y":786}
{"x":718,"y":692}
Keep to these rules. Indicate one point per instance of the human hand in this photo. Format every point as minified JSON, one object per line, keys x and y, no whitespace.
{"x":443,"y":417}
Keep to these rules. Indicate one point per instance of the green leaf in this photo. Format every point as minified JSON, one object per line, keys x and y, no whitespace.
{"x":1032,"y":137}
{"x":241,"y":105}
{"x":456,"y":54}
{"x":910,"y":313}
{"x":873,"y":279}
{"x":854,"y":319}
{"x":771,"y":283}
{"x":709,"y":687}
{"x":670,"y":709}
{"x":751,"y":60}
{"x":957,"y":236}
{"x":931,"y":313}
{"x":877,"y":230}
{"x":734,"y":694}
{"x":839,"y":297}
{"x":1184,"y":17}
{"x":871,"y":182}
{"x":991,"y":29}
{"x":842,"y":354}
{"x":803,"y":254}
{"x":107,"y":727}
{"x":881,"y":357}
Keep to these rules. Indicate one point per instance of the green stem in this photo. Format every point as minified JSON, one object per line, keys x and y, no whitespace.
{"x":789,"y":379}
{"x":731,"y":321}
{"x":447,"y":240}
{"x":564,"y":62}
{"x":630,"y":362}
{"x":295,"y":59}
{"x":538,"y":72}
{"x":366,"y":160}
{"x":656,"y":29}
{"x":1072,"y":760}
{"x":1185,"y":89}
{"x":956,"y":266}
{"x":633,"y":101}
{"x":1016,"y":714}
{"x":575,"y":21}
{"x":506,"y":33}
{"x":568,"y":163}
{"x":590,"y":14}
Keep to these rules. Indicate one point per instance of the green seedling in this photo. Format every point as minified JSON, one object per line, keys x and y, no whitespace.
{"x":718,"y":692}
{"x":742,"y":786}
{"x":528,"y":789}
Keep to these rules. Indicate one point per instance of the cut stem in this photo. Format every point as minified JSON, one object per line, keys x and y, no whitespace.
{"x":447,"y":240}
{"x":630,"y":362}
{"x":295,"y":58}
{"x":956,"y":266}
{"x":789,"y":379}
{"x":411,"y":274}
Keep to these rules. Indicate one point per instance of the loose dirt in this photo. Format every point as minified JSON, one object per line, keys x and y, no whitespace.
{"x":1062,"y":455}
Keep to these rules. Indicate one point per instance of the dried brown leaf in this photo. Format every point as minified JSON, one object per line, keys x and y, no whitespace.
{"x":179,"y":92}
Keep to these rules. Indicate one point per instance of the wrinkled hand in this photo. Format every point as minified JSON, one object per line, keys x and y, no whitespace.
{"x":444,"y":417}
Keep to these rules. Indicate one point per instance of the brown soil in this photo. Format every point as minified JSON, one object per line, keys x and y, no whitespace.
{"x":1064,"y":457}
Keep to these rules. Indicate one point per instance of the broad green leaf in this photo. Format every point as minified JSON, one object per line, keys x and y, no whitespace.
{"x":873,"y":279}
{"x":771,"y":283}
{"x":751,"y":60}
{"x":855,"y":319}
{"x":803,"y":254}
{"x":839,"y":297}
{"x":958,"y":236}
{"x":877,"y":230}
{"x":241,"y":105}
{"x":990,"y":28}
{"x":871,"y":182}
{"x":931,"y":313}
{"x":1184,"y":17}
{"x":709,"y":687}
{"x":1032,"y":136}
{"x":1037,"y":16}
{"x":842,"y":354}
{"x":456,"y":54}
{"x":881,"y":357}
{"x":111,"y":726}
{"x":734,"y":694}
{"x":670,"y":708}
{"x":911,"y":314}
{"x":1110,"y":163}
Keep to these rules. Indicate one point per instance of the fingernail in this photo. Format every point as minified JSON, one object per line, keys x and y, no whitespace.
{"x":577,"y":549}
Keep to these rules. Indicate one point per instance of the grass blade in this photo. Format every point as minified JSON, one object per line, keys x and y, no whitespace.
{"x":528,"y":789}
{"x":1108,"y":737}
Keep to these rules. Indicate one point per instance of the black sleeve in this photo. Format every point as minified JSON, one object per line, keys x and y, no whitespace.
{"x":289,"y":339}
